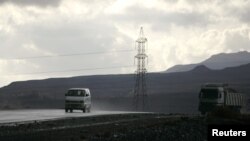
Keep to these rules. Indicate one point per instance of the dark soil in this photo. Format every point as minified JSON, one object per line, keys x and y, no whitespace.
{"x":124,"y":127}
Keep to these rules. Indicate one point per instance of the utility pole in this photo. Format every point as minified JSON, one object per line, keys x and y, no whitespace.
{"x":140,"y":90}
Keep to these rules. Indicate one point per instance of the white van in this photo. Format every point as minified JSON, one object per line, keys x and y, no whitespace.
{"x":79,"y":99}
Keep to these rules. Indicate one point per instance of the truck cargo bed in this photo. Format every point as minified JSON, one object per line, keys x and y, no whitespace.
{"x":234,"y":99}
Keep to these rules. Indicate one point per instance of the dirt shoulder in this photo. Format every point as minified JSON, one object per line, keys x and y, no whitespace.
{"x":122,"y":127}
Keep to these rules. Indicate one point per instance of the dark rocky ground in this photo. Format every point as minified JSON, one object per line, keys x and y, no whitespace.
{"x":124,"y":127}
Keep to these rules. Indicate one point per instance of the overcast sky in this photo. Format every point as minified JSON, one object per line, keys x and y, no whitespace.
{"x":178,"y":32}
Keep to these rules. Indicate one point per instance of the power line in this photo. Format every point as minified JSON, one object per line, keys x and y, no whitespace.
{"x":72,"y":70}
{"x":67,"y":55}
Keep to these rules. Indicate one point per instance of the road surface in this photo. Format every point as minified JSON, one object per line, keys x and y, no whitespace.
{"x":11,"y":116}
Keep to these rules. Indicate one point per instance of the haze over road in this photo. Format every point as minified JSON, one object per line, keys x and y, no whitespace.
{"x":38,"y":114}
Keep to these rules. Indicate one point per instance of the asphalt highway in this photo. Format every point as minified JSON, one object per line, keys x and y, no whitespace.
{"x":12,"y":116}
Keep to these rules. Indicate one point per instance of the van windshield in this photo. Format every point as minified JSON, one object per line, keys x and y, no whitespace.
{"x":76,"y":93}
{"x":209,"y":93}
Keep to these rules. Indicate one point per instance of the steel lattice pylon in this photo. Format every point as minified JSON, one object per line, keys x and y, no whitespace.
{"x":140,"y":90}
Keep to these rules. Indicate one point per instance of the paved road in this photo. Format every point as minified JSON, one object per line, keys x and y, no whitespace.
{"x":31,"y":115}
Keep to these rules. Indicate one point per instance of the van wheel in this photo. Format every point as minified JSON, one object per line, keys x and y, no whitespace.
{"x":66,"y":110}
{"x":71,"y":110}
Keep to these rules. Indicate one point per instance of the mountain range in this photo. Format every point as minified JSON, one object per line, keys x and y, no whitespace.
{"x":175,"y":92}
{"x":216,"y":62}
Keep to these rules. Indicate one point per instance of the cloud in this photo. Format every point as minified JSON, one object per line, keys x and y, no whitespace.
{"x":237,"y":39}
{"x":245,"y":16}
{"x":178,"y":32}
{"x":161,"y":19}
{"x":40,"y":3}
{"x":51,"y":32}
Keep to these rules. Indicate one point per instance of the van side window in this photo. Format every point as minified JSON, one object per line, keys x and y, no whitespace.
{"x":79,"y":93}
{"x":87,"y":94}
{"x":83,"y":93}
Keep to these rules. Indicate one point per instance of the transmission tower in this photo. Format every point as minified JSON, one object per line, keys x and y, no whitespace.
{"x":140,"y":90}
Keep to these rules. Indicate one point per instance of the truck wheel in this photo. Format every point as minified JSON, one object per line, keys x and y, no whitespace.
{"x":203,"y":113}
{"x":238,"y":110}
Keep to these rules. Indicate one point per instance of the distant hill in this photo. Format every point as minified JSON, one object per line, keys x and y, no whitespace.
{"x":167,"y":92}
{"x":216,"y":62}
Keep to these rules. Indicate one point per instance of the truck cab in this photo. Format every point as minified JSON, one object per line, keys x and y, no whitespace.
{"x":215,"y":95}
{"x":78,"y":99}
